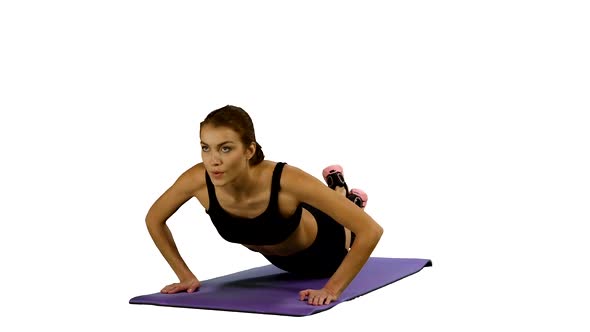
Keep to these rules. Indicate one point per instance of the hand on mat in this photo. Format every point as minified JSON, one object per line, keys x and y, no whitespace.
{"x":189,"y":286}
{"x":317,"y":297}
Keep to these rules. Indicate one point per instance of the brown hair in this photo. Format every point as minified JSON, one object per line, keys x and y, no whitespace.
{"x":238,"y":120}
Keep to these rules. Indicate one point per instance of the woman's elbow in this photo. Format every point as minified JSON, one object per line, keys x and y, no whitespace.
{"x":377,"y":232}
{"x":372,"y":234}
{"x":153,"y":222}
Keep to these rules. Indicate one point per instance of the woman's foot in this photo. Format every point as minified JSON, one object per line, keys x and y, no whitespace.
{"x":334,"y":177}
{"x":358,"y":197}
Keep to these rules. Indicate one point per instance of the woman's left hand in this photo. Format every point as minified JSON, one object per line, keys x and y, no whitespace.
{"x":317,"y":296}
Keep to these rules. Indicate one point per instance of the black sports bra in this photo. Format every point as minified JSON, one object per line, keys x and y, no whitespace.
{"x":266,"y":229}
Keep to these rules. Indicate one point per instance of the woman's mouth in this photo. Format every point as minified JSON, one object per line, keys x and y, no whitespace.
{"x":217,"y":174}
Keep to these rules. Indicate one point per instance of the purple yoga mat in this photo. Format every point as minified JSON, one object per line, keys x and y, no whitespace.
{"x":269,"y":290}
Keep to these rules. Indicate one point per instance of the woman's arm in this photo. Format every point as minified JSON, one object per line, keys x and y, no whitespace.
{"x":310,"y":190}
{"x":164,"y":207}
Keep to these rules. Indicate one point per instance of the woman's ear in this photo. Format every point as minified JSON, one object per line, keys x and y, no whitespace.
{"x":251,"y":151}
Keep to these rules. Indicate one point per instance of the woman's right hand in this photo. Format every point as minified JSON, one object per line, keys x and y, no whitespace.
{"x":189,"y":286}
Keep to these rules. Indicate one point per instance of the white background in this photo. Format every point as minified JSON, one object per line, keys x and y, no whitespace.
{"x":463,"y":120}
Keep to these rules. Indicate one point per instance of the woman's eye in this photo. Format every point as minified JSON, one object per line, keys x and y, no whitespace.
{"x":226,"y":149}
{"x":204,"y":148}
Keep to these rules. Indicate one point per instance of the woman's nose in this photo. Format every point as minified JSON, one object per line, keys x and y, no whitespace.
{"x":215,"y":158}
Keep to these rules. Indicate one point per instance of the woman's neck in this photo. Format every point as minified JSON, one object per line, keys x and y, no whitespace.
{"x":244,"y":186}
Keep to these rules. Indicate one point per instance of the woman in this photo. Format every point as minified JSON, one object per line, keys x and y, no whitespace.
{"x":294,"y":220}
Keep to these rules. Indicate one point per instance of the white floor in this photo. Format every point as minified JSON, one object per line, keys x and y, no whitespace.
{"x":466,"y":124}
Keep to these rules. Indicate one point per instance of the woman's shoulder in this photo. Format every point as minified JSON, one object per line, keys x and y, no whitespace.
{"x":293,"y":175}
{"x":270,"y":167}
{"x":193,"y":178}
{"x":194,"y":170}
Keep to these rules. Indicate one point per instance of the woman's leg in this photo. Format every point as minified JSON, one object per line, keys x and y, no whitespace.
{"x":335,"y":179}
{"x":347,"y":232}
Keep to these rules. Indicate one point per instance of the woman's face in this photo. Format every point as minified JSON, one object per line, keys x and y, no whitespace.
{"x":224,"y":155}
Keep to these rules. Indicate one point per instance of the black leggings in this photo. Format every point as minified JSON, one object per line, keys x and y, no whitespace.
{"x":323,"y":257}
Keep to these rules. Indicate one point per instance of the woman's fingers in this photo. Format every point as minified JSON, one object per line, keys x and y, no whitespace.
{"x":316,"y":297}
{"x":179,"y":287}
{"x":304,"y":294}
{"x":316,"y":300}
{"x":172,"y":288}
